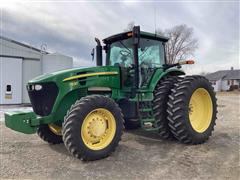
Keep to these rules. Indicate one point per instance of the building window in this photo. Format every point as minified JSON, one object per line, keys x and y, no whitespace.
{"x":9,"y":88}
{"x":230,"y":82}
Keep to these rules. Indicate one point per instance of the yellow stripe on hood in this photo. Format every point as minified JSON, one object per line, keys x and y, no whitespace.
{"x":90,"y":74}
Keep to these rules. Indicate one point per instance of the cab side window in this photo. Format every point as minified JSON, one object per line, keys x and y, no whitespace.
{"x":121,"y":53}
{"x":151,"y":53}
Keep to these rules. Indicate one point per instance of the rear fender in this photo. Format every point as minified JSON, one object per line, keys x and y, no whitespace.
{"x":159,"y":74}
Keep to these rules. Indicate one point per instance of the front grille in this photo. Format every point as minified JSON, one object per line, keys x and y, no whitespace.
{"x":43,"y":100}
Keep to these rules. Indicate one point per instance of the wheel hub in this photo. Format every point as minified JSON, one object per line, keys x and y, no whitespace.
{"x":98,"y":129}
{"x":200,"y":110}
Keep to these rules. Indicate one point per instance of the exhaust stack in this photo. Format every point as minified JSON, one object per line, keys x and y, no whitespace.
{"x":98,"y":52}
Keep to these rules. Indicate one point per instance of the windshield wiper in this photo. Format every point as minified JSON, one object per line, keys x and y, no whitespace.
{"x":125,"y":46}
{"x":143,"y":53}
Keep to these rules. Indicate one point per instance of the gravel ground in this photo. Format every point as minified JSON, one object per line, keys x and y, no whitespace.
{"x":139,"y":156}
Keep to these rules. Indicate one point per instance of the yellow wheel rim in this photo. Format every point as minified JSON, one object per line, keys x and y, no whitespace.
{"x":55,"y":129}
{"x":98,"y":129}
{"x":200,"y":110}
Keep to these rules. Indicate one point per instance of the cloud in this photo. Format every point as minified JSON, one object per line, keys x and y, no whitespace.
{"x":82,"y":62}
{"x":70,"y":27}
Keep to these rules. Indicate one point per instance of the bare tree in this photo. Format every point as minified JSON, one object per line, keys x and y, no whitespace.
{"x":129,"y":26}
{"x":181,"y":44}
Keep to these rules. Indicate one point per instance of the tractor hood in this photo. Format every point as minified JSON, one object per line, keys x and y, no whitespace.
{"x":76,"y":74}
{"x":52,"y":94}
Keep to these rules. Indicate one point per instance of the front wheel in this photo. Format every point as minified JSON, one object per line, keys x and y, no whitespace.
{"x":192,"y":110}
{"x":93,"y":127}
{"x":50,"y":133}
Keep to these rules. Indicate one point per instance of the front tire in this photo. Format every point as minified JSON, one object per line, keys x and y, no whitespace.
{"x":93,"y":127}
{"x":192,"y":110}
{"x":50,"y":133}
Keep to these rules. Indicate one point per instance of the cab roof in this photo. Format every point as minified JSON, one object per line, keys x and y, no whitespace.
{"x":126,"y":35}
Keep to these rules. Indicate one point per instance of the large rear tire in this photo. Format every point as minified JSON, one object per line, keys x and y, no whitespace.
{"x":161,"y":92}
{"x":50,"y":133}
{"x":93,"y":127}
{"x":192,"y":110}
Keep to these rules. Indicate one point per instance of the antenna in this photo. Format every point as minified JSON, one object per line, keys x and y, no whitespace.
{"x":155,"y":19}
{"x":43,"y":51}
{"x":43,"y":48}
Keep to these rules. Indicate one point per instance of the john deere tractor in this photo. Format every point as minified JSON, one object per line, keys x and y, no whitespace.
{"x":87,"y":108}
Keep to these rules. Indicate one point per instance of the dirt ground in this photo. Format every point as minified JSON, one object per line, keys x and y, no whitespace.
{"x":139,"y":155}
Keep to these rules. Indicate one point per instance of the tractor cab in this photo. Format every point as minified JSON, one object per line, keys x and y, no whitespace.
{"x":150,"y":51}
{"x":138,"y":54}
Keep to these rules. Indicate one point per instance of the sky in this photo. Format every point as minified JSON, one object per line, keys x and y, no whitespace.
{"x":69,"y":27}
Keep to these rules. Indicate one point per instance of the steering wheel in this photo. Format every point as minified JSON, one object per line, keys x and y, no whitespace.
{"x":124,"y":52}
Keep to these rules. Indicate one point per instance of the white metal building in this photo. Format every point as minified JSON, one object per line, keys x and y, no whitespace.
{"x":19,"y":63}
{"x":225,"y":80}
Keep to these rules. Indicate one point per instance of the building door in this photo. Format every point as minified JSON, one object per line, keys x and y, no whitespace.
{"x":10,"y":80}
{"x":31,"y":69}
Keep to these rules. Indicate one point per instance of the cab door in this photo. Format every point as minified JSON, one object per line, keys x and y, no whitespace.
{"x":120,"y":54}
{"x":150,"y":57}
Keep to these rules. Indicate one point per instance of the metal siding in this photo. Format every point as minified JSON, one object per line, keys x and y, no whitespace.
{"x":56,"y":62}
{"x":27,"y":61}
{"x":218,"y":85}
{"x":225,"y":85}
{"x":13,"y":49}
{"x":215,"y":87}
{"x":11,"y":74}
{"x":31,"y":69}
{"x":236,"y":82}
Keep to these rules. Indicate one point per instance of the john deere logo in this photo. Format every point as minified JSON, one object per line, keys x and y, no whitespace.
{"x":74,"y":83}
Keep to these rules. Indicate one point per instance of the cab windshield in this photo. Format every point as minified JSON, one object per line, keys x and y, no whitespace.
{"x":150,"y":53}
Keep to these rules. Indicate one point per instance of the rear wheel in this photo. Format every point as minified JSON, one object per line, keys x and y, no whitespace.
{"x":50,"y":133}
{"x":93,"y":127}
{"x":161,"y":92}
{"x":192,"y":110}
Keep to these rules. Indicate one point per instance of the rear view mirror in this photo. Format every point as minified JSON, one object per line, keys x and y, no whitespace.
{"x":92,"y":53}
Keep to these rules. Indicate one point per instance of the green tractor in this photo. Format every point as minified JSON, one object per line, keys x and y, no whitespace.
{"x":87,"y":108}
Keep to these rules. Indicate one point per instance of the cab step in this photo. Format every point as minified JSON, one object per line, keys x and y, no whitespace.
{"x":149,"y":126}
{"x":146,"y":110}
{"x":148,"y":120}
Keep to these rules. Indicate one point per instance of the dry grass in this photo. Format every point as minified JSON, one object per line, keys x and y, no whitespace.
{"x":229,"y":93}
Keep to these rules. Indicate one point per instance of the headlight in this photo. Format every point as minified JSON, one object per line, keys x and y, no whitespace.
{"x":30,"y":87}
{"x":38,"y":87}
